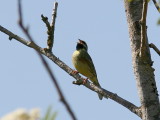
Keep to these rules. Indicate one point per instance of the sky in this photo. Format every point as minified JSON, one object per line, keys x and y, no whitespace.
{"x":24,"y":83}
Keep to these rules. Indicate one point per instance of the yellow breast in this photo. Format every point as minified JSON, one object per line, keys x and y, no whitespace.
{"x":81,"y":66}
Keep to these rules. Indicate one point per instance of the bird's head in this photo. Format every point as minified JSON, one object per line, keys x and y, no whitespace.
{"x":81,"y":45}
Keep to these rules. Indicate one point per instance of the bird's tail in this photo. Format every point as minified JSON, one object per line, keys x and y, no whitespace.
{"x":97,"y":83}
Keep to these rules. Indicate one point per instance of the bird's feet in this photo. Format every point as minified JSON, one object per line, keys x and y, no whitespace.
{"x":75,"y":72}
{"x":85,"y":81}
{"x":79,"y":82}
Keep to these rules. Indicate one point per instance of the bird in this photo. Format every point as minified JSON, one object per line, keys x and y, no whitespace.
{"x":84,"y":64}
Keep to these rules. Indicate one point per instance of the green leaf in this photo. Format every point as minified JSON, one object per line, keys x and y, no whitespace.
{"x":49,"y":115}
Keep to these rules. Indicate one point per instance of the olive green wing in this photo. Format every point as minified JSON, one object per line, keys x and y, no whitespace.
{"x":86,"y":59}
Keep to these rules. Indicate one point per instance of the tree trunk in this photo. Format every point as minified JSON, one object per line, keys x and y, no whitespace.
{"x":142,"y":66}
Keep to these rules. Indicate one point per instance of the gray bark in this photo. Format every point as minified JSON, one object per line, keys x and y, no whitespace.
{"x":142,"y":66}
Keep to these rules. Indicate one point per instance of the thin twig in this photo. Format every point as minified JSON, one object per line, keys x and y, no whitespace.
{"x":54,"y":15}
{"x":133,"y":108}
{"x":53,"y":21}
{"x":62,"y":98}
{"x":45,"y":20}
{"x":156,"y":5}
{"x":50,"y":27}
{"x":143,"y":48}
{"x":154,"y":48}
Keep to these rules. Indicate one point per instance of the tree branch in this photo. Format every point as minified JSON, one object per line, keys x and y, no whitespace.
{"x":50,"y":27}
{"x":141,"y":59}
{"x":143,"y":48}
{"x":156,"y":5}
{"x":25,"y":30}
{"x":107,"y":94}
{"x":154,"y":48}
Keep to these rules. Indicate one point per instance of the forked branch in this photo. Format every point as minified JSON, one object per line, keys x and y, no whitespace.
{"x":50,"y":27}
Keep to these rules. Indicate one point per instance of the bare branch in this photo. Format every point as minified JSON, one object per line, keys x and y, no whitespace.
{"x":45,"y":20}
{"x":143,"y":48}
{"x":107,"y":94}
{"x":156,"y":5}
{"x":62,"y":98}
{"x":54,"y":15}
{"x":155,"y":48}
{"x":50,"y":27}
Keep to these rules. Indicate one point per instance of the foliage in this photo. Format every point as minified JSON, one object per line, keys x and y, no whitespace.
{"x":33,"y":114}
{"x":23,"y":114}
{"x":50,"y":115}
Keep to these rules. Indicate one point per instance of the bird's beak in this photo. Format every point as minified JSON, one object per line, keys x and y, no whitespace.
{"x":79,"y":41}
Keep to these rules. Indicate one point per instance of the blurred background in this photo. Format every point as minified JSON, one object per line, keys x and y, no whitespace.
{"x":24,"y":83}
